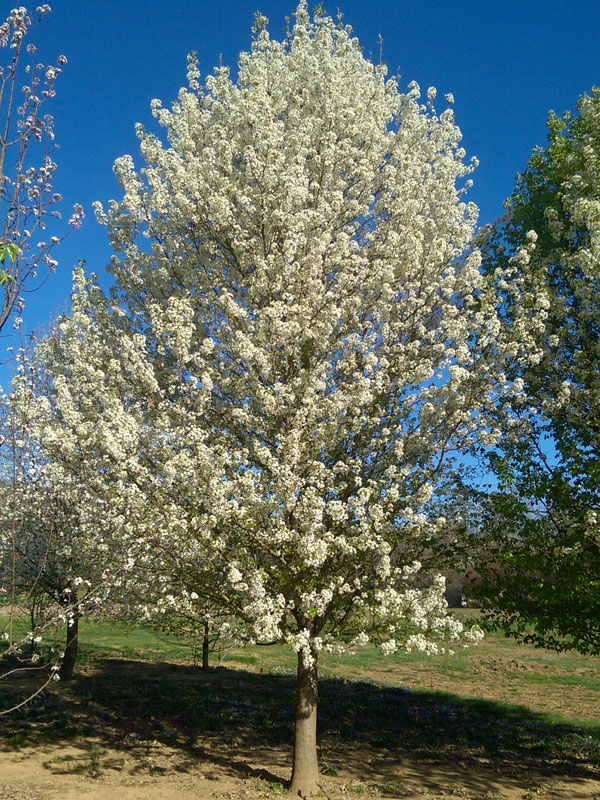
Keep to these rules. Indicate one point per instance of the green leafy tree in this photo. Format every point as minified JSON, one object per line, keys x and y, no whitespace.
{"x":542,"y":570}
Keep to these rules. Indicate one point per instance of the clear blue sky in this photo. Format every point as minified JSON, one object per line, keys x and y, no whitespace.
{"x":507,"y":64}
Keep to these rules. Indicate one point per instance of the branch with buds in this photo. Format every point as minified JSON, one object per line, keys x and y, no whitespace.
{"x":27,"y":199}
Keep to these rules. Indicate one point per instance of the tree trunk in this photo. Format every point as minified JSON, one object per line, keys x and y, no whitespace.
{"x":68,"y":662}
{"x":305,"y":771}
{"x":205,"y":645}
{"x":32,"y":644}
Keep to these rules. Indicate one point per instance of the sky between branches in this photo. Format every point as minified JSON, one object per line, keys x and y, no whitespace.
{"x":506,"y":63}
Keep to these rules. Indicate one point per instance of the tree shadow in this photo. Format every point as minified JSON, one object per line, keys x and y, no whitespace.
{"x":231,"y":719}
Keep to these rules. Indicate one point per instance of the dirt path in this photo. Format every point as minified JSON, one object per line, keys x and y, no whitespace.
{"x":65,"y":772}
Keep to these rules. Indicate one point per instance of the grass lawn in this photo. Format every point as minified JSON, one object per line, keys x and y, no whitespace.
{"x":511,"y":719}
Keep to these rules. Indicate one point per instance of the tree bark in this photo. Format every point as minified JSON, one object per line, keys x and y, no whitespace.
{"x":205,"y":645}
{"x":32,"y":645}
{"x":305,"y":771}
{"x":68,"y":662}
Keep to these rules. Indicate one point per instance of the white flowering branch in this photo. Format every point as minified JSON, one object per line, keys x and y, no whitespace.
{"x":27,"y":199}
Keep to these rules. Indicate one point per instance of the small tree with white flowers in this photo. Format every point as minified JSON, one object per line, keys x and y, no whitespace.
{"x":51,"y":558}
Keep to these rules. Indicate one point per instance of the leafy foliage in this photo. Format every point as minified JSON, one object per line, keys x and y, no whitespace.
{"x":544,"y":560}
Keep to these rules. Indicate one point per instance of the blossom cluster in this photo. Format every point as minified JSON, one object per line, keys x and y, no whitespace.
{"x":300,"y":335}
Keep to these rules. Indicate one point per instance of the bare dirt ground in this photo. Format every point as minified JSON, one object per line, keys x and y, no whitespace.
{"x":156,"y":772}
{"x":132,"y":730}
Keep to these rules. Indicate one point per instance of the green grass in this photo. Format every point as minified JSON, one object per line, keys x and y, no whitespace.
{"x":500,"y":706}
{"x":483,"y":706}
{"x":101,"y":639}
{"x":499,"y":669}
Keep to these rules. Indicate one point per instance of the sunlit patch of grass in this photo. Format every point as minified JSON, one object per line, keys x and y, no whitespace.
{"x":99,"y":639}
{"x":499,"y":670}
{"x":271,"y":788}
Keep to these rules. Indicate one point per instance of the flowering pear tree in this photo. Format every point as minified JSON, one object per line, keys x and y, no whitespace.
{"x":27,"y":199}
{"x":299,"y":338}
{"x":46,"y":562}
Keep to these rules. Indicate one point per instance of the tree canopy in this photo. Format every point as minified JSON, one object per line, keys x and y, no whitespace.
{"x":299,"y":338}
{"x":543,"y":579}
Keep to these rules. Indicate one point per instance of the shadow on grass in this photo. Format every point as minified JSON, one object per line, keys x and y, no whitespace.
{"x":226,"y":716}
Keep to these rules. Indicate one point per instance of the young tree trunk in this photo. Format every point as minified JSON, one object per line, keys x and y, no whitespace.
{"x":68,"y":662}
{"x":305,"y":771}
{"x":205,"y":645}
{"x":32,"y":646}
